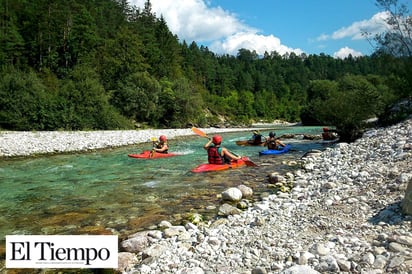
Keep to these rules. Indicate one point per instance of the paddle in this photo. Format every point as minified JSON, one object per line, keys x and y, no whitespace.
{"x":199,"y":132}
{"x":247,"y":161}
{"x":152,"y":153}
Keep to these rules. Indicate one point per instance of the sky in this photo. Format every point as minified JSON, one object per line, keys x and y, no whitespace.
{"x":332,"y":27}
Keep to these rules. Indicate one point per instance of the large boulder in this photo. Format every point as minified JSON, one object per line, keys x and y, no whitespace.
{"x":136,"y":242}
{"x":246,"y":191}
{"x":126,"y":261}
{"x":226,"y":210}
{"x":233,"y":194}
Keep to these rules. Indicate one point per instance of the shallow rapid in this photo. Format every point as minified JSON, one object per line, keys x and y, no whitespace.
{"x":107,"y":192}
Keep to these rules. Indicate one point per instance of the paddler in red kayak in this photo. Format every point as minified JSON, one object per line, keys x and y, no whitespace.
{"x":161,"y":146}
{"x":218,"y":155}
{"x":329,"y":134}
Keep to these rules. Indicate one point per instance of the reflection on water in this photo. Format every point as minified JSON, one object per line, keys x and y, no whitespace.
{"x":108,"y":192}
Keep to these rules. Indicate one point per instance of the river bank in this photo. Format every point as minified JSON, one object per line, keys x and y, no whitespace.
{"x":27,"y":143}
{"x":342,"y":216}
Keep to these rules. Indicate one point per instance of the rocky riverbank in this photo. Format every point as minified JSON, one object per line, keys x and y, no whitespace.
{"x":342,"y":216}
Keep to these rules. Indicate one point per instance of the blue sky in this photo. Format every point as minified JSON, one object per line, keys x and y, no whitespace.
{"x":332,"y":27}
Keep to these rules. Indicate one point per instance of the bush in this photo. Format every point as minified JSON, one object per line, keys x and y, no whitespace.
{"x":25,"y":103}
{"x":347,"y":108}
{"x":85,"y":104}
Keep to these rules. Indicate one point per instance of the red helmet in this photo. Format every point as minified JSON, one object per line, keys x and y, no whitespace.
{"x":325,"y":129}
{"x":217,"y":139}
{"x":162,"y":138}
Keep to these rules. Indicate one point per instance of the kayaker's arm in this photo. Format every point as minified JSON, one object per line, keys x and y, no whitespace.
{"x":230,"y":155}
{"x":279,"y":142}
{"x":207,"y":145}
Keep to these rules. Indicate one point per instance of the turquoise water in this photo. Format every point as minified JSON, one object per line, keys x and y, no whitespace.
{"x":108,"y":192}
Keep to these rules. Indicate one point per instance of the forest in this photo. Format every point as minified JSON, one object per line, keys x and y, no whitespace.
{"x":104,"y":64}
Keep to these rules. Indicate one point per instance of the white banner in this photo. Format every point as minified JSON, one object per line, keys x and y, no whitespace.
{"x":61,"y":251}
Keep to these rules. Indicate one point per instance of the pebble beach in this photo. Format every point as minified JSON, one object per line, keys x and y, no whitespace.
{"x":342,"y":216}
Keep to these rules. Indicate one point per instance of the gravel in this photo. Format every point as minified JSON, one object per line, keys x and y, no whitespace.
{"x":343,"y":215}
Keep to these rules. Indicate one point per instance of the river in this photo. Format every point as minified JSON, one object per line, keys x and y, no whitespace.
{"x":106,"y":192}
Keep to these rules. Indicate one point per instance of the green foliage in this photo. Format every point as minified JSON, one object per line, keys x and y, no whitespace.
{"x":348,"y":107}
{"x":187,"y":109}
{"x":321,"y":89}
{"x":24,"y":103}
{"x":85,"y":104}
{"x":265,"y":104}
{"x":137,"y":98}
{"x":11,"y":42}
{"x":119,"y":57}
{"x":104,"y":65}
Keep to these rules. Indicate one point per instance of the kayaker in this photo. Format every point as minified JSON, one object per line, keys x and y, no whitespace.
{"x":161,"y":146}
{"x":217,"y":154}
{"x":256,"y":138}
{"x":273,"y":142}
{"x":328,"y":134}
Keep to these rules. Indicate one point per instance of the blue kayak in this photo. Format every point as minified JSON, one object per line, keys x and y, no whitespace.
{"x":275,"y":151}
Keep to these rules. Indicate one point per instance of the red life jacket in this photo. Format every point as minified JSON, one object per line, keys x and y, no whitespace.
{"x":214,"y":156}
{"x":159,"y":146}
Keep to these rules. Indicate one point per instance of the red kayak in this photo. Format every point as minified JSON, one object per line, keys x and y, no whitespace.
{"x":146,"y":155}
{"x":214,"y":167}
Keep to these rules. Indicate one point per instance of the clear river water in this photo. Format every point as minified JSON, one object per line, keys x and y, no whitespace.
{"x":106,"y":192}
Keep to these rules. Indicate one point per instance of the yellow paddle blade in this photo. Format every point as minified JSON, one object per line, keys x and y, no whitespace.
{"x":199,"y":132}
{"x":153,"y":139}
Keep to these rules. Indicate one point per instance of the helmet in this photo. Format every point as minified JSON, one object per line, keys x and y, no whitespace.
{"x":325,"y":129}
{"x":162,"y":138}
{"x":217,"y":139}
{"x":272,"y":134}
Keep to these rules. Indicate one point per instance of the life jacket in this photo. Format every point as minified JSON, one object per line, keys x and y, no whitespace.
{"x":272,"y":143}
{"x":214,"y":156}
{"x":328,"y":136}
{"x":159,"y":146}
{"x":258,"y":139}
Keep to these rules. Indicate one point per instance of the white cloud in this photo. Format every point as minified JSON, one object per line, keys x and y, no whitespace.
{"x":323,"y":37}
{"x":251,"y":41}
{"x":357,"y":31}
{"x":372,"y":26}
{"x":344,"y":52}
{"x":193,"y":20}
